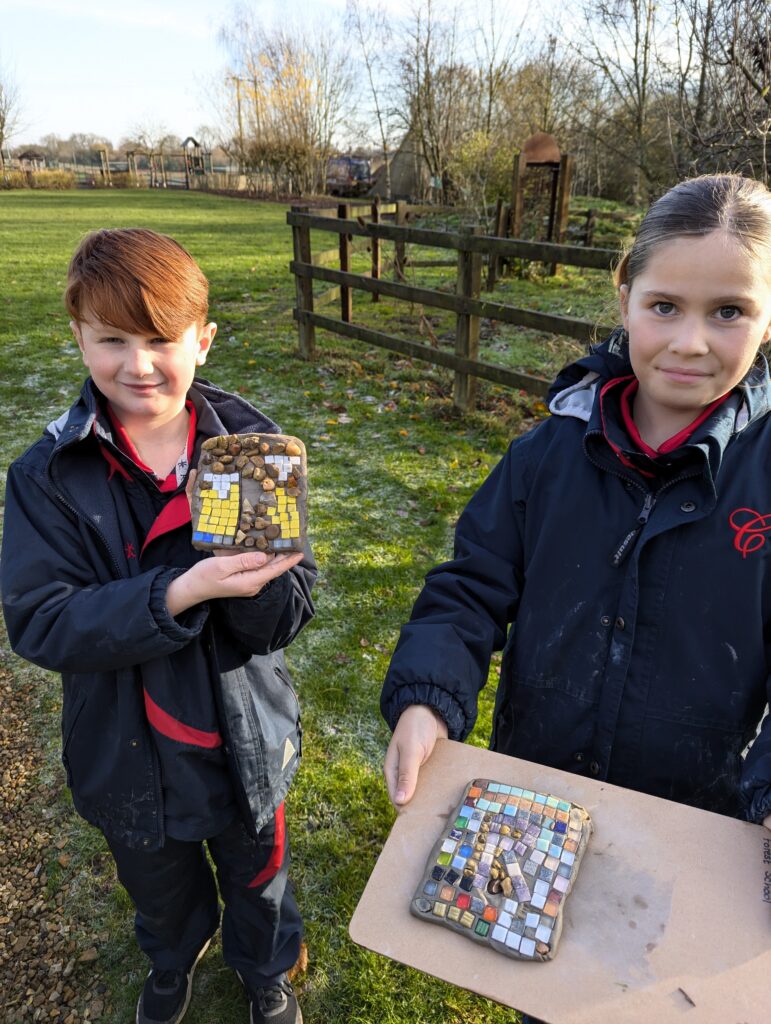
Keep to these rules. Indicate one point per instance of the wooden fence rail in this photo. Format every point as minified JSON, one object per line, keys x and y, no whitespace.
{"x":469,"y":307}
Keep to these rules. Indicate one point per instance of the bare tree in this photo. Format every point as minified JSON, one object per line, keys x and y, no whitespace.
{"x":290,"y":91}
{"x":619,"y":42}
{"x":10,"y":111}
{"x":718,"y":95}
{"x":372,"y":31}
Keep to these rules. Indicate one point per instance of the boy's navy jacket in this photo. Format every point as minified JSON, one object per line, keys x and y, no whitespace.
{"x":639,"y":621}
{"x":73,"y":604}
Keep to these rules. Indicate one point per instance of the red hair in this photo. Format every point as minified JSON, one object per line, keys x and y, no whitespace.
{"x":138,"y":281}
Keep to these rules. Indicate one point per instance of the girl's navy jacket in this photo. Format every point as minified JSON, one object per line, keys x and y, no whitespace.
{"x":634,"y":610}
{"x":77,"y":601}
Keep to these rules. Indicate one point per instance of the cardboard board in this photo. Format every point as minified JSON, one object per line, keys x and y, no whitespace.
{"x":669,"y":919}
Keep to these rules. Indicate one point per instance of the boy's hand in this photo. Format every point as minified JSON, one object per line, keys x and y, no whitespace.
{"x":414,"y":738}
{"x":242,"y":574}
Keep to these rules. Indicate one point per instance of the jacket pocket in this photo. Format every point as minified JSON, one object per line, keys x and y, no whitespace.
{"x":70,"y":718}
{"x":285,"y":678}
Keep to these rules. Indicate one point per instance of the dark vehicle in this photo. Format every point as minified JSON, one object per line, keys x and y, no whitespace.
{"x":348,"y":176}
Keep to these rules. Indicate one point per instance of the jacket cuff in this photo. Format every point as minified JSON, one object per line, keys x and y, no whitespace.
{"x":189,"y":623}
{"x":439,"y":700}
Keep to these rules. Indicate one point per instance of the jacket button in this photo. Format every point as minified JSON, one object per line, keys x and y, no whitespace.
{"x":579,"y":756}
{"x":688,"y":506}
{"x":605,"y":620}
{"x":594,"y":768}
{"x":145,"y":842}
{"x":620,"y":624}
{"x":134,"y":743}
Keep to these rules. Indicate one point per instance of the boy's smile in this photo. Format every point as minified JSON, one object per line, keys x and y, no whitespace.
{"x":696,"y":316}
{"x":144,"y":377}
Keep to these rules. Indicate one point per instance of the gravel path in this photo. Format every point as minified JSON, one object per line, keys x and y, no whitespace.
{"x":48,"y":961}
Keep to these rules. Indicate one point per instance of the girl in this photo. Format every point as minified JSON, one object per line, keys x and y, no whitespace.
{"x":624,"y":541}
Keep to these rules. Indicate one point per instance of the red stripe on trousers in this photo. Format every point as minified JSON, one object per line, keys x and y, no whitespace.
{"x":176,"y":730}
{"x":276,"y":859}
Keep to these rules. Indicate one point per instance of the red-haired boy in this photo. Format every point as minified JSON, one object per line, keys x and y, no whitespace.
{"x":180,"y":725}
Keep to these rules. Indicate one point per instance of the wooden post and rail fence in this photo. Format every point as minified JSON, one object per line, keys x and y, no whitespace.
{"x":471,"y":246}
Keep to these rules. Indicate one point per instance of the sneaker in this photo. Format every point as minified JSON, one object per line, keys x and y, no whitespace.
{"x":166,"y":994}
{"x":274,"y":1005}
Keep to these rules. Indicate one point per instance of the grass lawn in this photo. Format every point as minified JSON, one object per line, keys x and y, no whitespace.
{"x":391,"y":467}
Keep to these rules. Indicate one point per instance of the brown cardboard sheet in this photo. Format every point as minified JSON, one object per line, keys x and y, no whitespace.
{"x":669,"y":918}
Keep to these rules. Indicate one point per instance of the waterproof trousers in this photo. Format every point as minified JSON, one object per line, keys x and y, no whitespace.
{"x":177,"y":910}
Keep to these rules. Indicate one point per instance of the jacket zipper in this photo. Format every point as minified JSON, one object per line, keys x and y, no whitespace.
{"x":626,"y":545}
{"x":78,"y":515}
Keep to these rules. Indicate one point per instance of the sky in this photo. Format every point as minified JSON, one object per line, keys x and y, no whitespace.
{"x":104,"y":66}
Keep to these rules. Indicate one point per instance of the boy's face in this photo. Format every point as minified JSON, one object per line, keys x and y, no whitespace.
{"x":144,"y":377}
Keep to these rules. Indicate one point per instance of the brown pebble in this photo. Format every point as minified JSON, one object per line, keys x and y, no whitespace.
{"x":293,"y":492}
{"x":265,"y":448}
{"x":210,"y":442}
{"x":542,"y":947}
{"x":291,"y":481}
{"x":268,"y":485}
{"x":260,"y":523}
{"x":241,"y":461}
{"x":249,"y":542}
{"x":219,"y":451}
{"x":494,"y":887}
{"x":260,"y":508}
{"x":234,"y":449}
{"x":272,"y":471}
{"x":292,"y":448}
{"x":240,"y":536}
{"x":257,"y":460}
{"x":272,"y":531}
{"x":247,"y":472}
{"x":206,"y":459}
{"x":218,"y":467}
{"x":507,"y":887}
{"x":257,"y":472}
{"x":278,"y":447}
{"x":261,"y":544}
{"x":227,"y":459}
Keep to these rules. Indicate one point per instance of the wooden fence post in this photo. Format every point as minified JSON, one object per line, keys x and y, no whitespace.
{"x":376,"y":247}
{"x":467,"y":324}
{"x":517,"y":199}
{"x":563,"y":202}
{"x":399,"y":247}
{"x":346,"y":296}
{"x":499,"y":227}
{"x":301,"y":241}
{"x":590,"y":227}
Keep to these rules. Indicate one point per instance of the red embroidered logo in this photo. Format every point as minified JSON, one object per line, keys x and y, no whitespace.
{"x":750,"y":527}
{"x":129,"y":550}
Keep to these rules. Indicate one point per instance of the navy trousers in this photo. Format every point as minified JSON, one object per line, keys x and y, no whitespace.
{"x":177,"y":910}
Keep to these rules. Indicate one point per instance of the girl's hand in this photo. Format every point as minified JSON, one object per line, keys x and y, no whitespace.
{"x":414,"y":738}
{"x":243,"y":574}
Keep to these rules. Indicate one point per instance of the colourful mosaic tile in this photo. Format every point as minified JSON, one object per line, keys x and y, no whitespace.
{"x":251,"y":491}
{"x":511,"y":869}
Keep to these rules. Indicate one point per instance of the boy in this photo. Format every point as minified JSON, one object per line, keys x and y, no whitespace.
{"x":179,"y":720}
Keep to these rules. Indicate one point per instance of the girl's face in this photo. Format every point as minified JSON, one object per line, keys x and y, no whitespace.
{"x":695,"y":317}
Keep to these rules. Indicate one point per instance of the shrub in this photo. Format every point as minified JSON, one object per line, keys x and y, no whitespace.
{"x":56,"y":181}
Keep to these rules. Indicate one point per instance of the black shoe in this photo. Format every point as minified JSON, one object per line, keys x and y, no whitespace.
{"x":166,"y":995}
{"x":274,"y":1005}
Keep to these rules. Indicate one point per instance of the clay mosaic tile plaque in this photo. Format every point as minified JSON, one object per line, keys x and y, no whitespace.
{"x":503,"y":867}
{"x":251,"y":491}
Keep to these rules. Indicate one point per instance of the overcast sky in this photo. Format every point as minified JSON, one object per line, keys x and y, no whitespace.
{"x":103,"y":66}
